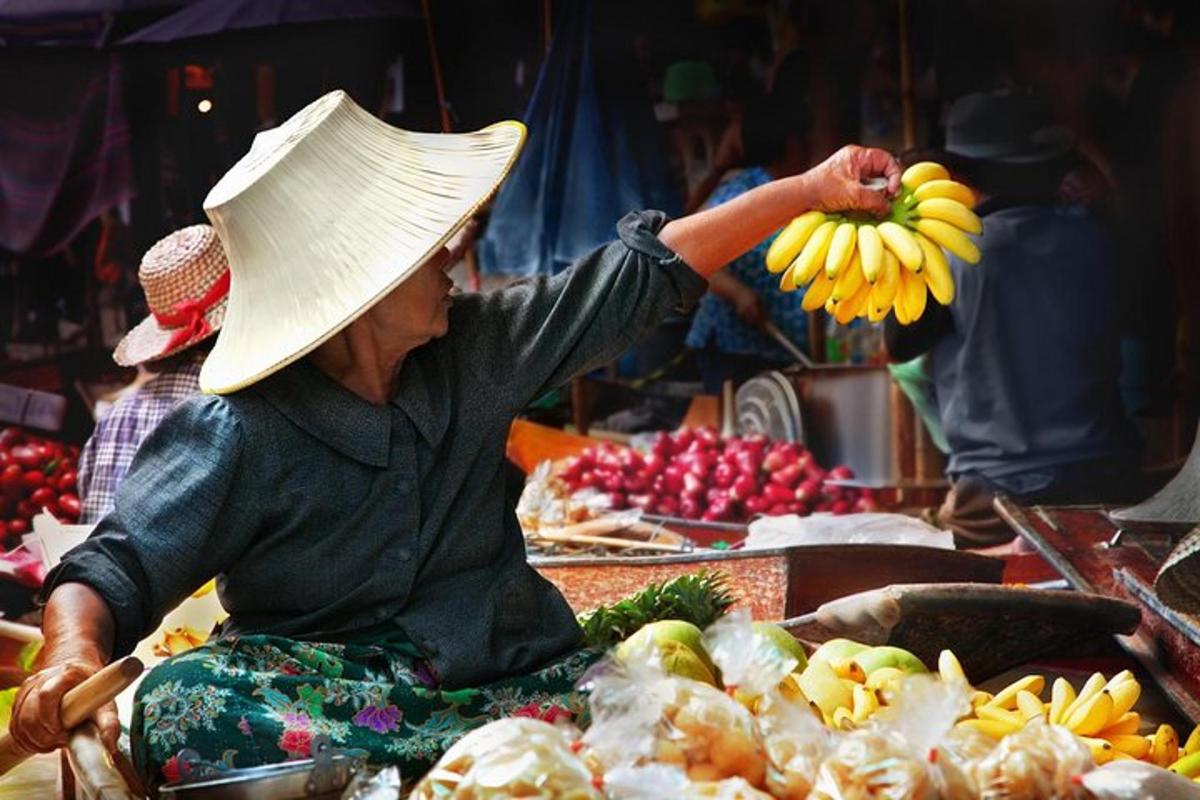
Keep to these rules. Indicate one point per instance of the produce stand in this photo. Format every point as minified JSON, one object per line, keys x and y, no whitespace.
{"x":1083,"y":544}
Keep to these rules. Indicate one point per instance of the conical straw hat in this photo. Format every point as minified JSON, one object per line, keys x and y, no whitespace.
{"x":326,"y":215}
{"x":1175,"y":507}
{"x":1178,"y":582}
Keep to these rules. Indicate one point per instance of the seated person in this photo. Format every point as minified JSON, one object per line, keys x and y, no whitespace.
{"x":1026,"y":358}
{"x":345,"y":478}
{"x":186,"y":281}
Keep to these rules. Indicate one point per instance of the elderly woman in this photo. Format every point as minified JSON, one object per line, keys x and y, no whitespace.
{"x":343,"y":478}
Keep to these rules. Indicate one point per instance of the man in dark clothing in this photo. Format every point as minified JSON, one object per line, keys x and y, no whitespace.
{"x":1025,"y":360}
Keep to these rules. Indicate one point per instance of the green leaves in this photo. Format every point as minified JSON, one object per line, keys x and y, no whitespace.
{"x":700,"y":599}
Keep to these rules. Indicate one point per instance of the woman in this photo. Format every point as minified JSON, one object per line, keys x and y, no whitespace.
{"x":347,"y":486}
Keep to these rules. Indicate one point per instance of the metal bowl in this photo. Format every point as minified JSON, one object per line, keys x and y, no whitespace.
{"x":322,"y":777}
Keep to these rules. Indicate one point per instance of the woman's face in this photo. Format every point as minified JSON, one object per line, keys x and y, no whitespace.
{"x":418,"y":309}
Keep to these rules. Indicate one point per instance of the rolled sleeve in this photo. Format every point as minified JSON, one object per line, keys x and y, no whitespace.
{"x":176,"y":522}
{"x":538,"y":334}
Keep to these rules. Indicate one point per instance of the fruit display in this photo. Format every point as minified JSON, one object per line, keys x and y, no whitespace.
{"x":738,"y":710}
{"x":855,"y":265}
{"x":36,"y":474}
{"x":696,"y":474}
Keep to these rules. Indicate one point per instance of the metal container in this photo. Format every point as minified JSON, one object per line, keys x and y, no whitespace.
{"x":323,"y":777}
{"x":848,"y":419}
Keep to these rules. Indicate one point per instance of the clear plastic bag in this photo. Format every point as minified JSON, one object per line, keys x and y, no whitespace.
{"x":1137,"y":780}
{"x":868,"y":528}
{"x":1038,"y":762}
{"x":641,"y":715}
{"x":514,"y":757}
{"x":659,"y":781}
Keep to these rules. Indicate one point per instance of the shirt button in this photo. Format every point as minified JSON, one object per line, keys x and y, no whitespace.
{"x":404,"y":554}
{"x":404,"y":486}
{"x":381,"y":614}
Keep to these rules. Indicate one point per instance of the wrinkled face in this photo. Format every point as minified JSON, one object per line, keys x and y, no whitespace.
{"x":418,"y":309}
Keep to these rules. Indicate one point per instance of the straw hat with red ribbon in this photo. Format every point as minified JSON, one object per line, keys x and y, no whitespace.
{"x":326,"y":215}
{"x":185,"y":277}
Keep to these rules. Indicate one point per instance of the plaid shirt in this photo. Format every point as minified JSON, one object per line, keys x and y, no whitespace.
{"x":106,"y":456}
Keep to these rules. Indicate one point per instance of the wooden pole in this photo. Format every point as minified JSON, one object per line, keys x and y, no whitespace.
{"x":437,"y":68}
{"x":908,"y":100}
{"x":547,"y":24}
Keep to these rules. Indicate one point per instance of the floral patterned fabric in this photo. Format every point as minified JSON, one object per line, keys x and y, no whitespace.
{"x":243,"y":702}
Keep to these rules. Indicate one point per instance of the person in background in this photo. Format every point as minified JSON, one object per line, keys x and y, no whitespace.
{"x":727,"y":330}
{"x":1026,"y":358}
{"x":186,"y":281}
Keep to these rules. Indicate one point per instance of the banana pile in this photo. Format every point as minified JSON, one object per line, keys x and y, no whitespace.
{"x":857,"y":266}
{"x":1100,"y":714}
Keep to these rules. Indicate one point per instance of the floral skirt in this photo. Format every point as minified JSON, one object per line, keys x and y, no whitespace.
{"x":243,"y":702}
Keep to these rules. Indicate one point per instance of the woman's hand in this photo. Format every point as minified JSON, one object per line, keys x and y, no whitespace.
{"x":36,"y":724}
{"x":838,"y":183}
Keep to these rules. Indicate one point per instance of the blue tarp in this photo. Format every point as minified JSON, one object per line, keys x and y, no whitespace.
{"x":592,"y":155}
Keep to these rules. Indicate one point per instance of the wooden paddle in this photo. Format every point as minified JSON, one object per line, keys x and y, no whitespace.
{"x":79,"y":704}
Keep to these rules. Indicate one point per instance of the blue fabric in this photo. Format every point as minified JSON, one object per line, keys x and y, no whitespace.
{"x":716,"y":324}
{"x":589,"y":158}
{"x":1027,"y":377}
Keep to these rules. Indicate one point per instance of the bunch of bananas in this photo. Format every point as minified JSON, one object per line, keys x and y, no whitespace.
{"x":857,"y":266}
{"x":1101,"y":714}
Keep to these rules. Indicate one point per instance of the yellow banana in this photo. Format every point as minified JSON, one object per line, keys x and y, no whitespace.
{"x":866,"y":703}
{"x":979,"y":698}
{"x":791,"y":240}
{"x":922,"y":172}
{"x":817,"y":292}
{"x":997,"y":730}
{"x":883,"y":293}
{"x":870,"y":248}
{"x":900,"y":241}
{"x":1127,"y":723}
{"x":786,"y":281}
{"x":943,"y":187}
{"x":1131,"y":743}
{"x":1193,"y":742}
{"x":1089,"y":718}
{"x":1007,"y":697}
{"x":1029,"y":706}
{"x":900,"y":305}
{"x":1062,"y":694}
{"x":1164,"y":747}
{"x":951,"y":238}
{"x":850,"y":308}
{"x":1188,"y":766}
{"x":950,"y":211}
{"x":950,"y":668}
{"x":1124,"y":695}
{"x":996,"y":714}
{"x":912,"y":286}
{"x":812,"y":256}
{"x":849,"y":279}
{"x":1102,"y":750}
{"x":880,"y":678}
{"x":1093,"y":686}
{"x":841,"y":248}
{"x":936,"y":270}
{"x":843,"y":719}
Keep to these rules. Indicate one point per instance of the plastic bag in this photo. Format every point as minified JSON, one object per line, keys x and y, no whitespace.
{"x":817,"y":529}
{"x":514,"y":757}
{"x":385,"y":784}
{"x":641,"y":715}
{"x":895,"y":754}
{"x":547,"y":502}
{"x":658,"y":781}
{"x":1038,"y":762}
{"x":1137,"y":780}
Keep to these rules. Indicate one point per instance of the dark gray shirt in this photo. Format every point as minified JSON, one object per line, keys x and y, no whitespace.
{"x":325,"y":515}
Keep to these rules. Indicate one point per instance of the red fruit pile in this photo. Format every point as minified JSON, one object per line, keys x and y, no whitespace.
{"x":694,"y":473}
{"x":35,"y":474}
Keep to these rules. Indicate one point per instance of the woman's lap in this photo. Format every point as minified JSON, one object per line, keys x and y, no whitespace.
{"x":261,"y":699}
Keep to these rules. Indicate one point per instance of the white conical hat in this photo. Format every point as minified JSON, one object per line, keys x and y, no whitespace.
{"x":327,"y":214}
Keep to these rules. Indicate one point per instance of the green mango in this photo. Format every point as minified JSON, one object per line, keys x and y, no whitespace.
{"x":874,"y":658}
{"x":666,"y":631}
{"x":784,"y":642}
{"x":837,"y":650}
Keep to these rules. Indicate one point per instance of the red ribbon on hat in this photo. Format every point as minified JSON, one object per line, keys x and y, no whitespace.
{"x":188,"y":316}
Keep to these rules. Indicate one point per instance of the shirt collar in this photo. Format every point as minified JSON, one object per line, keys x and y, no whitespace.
{"x":330,"y":412}
{"x":423,"y":395}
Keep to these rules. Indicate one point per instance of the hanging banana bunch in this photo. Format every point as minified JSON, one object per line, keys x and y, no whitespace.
{"x":857,"y":266}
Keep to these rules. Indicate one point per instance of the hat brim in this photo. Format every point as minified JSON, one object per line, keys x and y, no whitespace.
{"x":297,"y":284}
{"x":146,"y":341}
{"x":1052,"y":143}
{"x":1178,"y":582}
